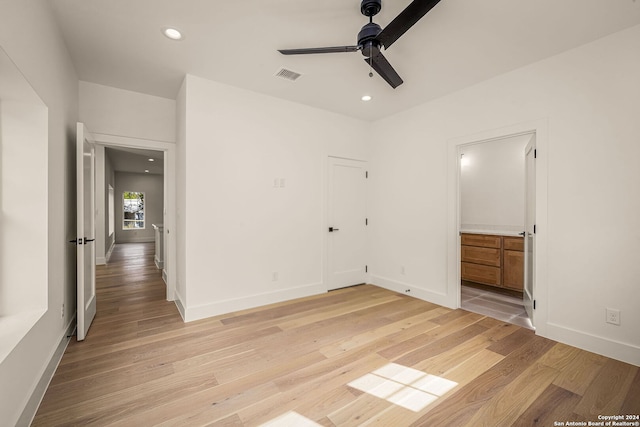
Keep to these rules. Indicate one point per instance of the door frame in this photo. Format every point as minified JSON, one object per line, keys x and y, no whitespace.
{"x":454,"y":145}
{"x":169,"y":185}
{"x":529,"y":230}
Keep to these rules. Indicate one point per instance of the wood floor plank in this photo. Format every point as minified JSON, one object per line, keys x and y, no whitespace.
{"x":142,"y":365}
{"x":372,"y":335}
{"x":631,"y":404}
{"x":506,"y":406}
{"x":577,"y":376}
{"x":607,"y":391}
{"x":441,"y":345}
{"x":552,"y":406}
{"x":430,"y":336}
{"x":460,"y":407}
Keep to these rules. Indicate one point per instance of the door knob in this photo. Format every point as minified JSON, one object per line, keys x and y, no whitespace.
{"x":523,"y":233}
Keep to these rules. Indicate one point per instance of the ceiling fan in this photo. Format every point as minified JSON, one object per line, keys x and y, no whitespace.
{"x":371,"y":37}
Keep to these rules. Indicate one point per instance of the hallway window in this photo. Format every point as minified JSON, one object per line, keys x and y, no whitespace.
{"x":133,"y":210}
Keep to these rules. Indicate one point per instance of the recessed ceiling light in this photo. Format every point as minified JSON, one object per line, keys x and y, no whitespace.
{"x":151,"y":160}
{"x":366,"y":98}
{"x":146,"y":171}
{"x":172,"y":33}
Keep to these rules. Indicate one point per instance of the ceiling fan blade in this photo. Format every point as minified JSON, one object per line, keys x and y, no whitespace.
{"x":405,"y":20}
{"x":386,"y":71}
{"x":304,"y":51}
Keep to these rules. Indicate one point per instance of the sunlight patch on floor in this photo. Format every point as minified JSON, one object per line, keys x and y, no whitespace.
{"x":403,"y":386}
{"x":290,"y":419}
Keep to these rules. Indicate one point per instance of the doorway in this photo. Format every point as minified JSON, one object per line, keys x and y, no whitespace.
{"x":492,"y":216}
{"x":130,"y":200}
{"x":163,"y":155}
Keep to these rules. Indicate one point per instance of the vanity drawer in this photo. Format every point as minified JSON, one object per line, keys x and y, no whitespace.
{"x":482,"y":240}
{"x":480,"y":273}
{"x":513,"y":243}
{"x":478,"y":255}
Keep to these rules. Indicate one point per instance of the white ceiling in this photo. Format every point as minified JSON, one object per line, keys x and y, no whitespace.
{"x":459,"y":43}
{"x":136,"y":161}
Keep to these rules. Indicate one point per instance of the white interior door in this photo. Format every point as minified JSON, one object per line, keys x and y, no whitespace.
{"x":529,"y":222}
{"x":85,"y":244}
{"x":347,"y":219}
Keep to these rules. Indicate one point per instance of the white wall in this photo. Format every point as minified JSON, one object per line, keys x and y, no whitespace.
{"x":152,"y":187}
{"x":588,"y":97}
{"x":30,"y":36}
{"x":492,"y":186}
{"x":181,"y":197}
{"x":238,"y":228}
{"x":112,"y":111}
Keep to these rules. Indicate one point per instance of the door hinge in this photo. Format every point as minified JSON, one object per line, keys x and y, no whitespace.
{"x":366,"y":221}
{"x":534,"y":304}
{"x":366,"y":268}
{"x":534,"y":229}
{"x":535,"y":153}
{"x":366,"y":174}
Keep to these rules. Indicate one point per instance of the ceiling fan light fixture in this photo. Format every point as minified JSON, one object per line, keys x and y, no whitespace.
{"x":366,"y":98}
{"x":172,"y":33}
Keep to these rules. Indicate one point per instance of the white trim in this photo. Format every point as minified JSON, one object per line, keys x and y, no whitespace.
{"x":108,"y":254}
{"x":614,"y":349}
{"x":540,"y":129}
{"x":159,"y":264}
{"x":180,"y":305}
{"x":235,"y":304}
{"x":413,"y":291}
{"x":169,"y":220}
{"x":40,"y":388}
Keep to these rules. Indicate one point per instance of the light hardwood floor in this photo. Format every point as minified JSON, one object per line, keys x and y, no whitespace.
{"x":356,"y":356}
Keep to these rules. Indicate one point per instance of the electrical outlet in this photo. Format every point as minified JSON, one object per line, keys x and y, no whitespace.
{"x":402,"y":270}
{"x":406,"y":291}
{"x":613,"y":316}
{"x":274,"y":276}
{"x":62,"y":311}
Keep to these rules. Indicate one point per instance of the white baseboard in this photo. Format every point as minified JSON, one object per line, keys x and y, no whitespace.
{"x":101,"y":260}
{"x":164,"y":276}
{"x":179,"y":304}
{"x":235,"y":304}
{"x":159,"y":264}
{"x":423,"y":294}
{"x":108,"y":254}
{"x":31,"y":408}
{"x":596,"y":344}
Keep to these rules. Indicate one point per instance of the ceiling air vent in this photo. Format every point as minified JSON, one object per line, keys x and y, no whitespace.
{"x":288,"y":74}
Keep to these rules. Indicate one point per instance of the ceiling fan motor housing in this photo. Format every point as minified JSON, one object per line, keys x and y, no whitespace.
{"x":367,"y":41}
{"x":370,"y":7}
